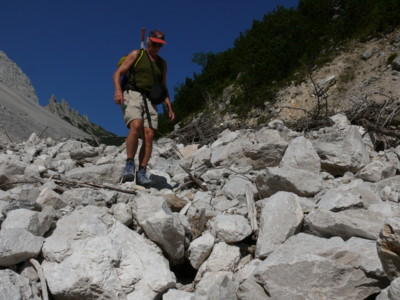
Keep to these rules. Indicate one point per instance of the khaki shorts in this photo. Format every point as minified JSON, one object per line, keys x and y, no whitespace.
{"x":134,"y":108}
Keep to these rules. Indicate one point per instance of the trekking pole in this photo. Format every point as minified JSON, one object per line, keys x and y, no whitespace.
{"x":142,"y":42}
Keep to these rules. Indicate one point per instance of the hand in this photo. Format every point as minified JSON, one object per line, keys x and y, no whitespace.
{"x":171,"y":115}
{"x":118,"y":98}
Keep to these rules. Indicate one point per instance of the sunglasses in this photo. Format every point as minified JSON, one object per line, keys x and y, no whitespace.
{"x":157,"y":44}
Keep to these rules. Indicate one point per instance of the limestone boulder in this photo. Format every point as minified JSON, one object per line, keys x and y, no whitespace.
{"x":200,"y":249}
{"x":14,"y":286}
{"x":161,"y":225}
{"x":37,"y":223}
{"x":18,"y":245}
{"x":91,"y":255}
{"x":280,"y":218}
{"x":230,"y":228}
{"x":301,"y":154}
{"x":314,"y":267}
{"x":300,"y":182}
{"x":342,"y":150}
{"x":346,"y":224}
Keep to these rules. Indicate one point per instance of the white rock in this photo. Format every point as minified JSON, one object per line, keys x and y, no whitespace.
{"x":230,"y":228}
{"x":335,"y":200}
{"x":35,"y":222}
{"x":392,"y":292}
{"x":91,"y":255}
{"x":17,"y":245}
{"x":218,"y":285}
{"x":376,"y":171}
{"x":173,"y":294}
{"x":160,"y":225}
{"x":346,"y":224}
{"x":342,"y":150}
{"x":313,"y":268}
{"x":222,"y":258}
{"x":301,"y":154}
{"x":14,"y":287}
{"x":388,"y":246}
{"x":281,"y":217}
{"x":300,"y":182}
{"x":235,"y":188}
{"x":123,"y":213}
{"x":49,"y":197}
{"x":200,"y":249}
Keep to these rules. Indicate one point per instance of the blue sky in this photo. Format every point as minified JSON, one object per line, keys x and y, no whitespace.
{"x":70,"y":49}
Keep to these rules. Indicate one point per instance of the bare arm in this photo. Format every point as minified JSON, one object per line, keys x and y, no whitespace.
{"x":167,"y":101}
{"x":122,"y":69}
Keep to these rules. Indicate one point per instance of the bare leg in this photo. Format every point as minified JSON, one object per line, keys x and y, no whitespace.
{"x":147,"y":147}
{"x":135,"y":128}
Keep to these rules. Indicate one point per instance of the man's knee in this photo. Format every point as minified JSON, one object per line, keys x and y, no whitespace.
{"x":136,"y":126}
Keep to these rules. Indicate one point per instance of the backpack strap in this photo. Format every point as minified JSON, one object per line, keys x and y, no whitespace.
{"x":131,"y":73}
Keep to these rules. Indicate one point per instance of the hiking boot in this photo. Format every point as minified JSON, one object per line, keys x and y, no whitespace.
{"x":129,"y":172}
{"x":142,"y":179}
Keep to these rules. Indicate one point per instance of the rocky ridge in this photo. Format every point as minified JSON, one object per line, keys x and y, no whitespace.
{"x":257,"y":214}
{"x":14,"y":78}
{"x":72,"y":116}
{"x":20,"y":112}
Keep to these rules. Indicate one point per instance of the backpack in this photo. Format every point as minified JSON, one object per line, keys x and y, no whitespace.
{"x":131,"y":71}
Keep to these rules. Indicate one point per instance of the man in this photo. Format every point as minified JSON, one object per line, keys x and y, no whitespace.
{"x":140,"y":115}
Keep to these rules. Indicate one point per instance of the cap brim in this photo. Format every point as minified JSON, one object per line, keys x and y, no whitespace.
{"x":155,"y":40}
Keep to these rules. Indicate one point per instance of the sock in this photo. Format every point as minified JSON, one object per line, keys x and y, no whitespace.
{"x":132,"y":160}
{"x":141,"y":168}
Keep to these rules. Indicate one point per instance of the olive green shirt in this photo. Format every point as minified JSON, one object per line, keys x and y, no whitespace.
{"x":143,"y":78}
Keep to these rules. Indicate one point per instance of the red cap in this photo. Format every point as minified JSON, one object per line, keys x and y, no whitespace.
{"x":157,"y":36}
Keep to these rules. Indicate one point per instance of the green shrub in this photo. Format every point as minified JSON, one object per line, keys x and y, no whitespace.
{"x":391,"y":58}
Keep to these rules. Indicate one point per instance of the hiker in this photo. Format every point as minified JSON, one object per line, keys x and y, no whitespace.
{"x":140,"y":115}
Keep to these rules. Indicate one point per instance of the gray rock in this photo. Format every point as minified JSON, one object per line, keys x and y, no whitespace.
{"x":161,"y":225}
{"x":123,"y":213}
{"x":200,"y":249}
{"x":300,"y":182}
{"x":15,"y":287}
{"x":392,"y":292}
{"x":281,"y":217}
{"x":17,"y":245}
{"x":218,"y":285}
{"x":173,"y":294}
{"x":396,"y":63}
{"x":325,"y":84}
{"x":346,"y":224}
{"x":18,"y":204}
{"x":84,"y":196}
{"x":314,"y":268}
{"x":90,"y":255}
{"x":235,"y":188}
{"x":366,"y":55}
{"x":222,"y":258}
{"x":50,"y":198}
{"x":376,"y":171}
{"x":110,"y":173}
{"x":251,"y":290}
{"x":230,"y":228}
{"x":388,"y":246}
{"x":389,"y":189}
{"x":35,"y":222}
{"x":342,"y":150}
{"x":11,"y":165}
{"x":301,"y":154}
{"x":83,"y":153}
{"x":337,"y":200}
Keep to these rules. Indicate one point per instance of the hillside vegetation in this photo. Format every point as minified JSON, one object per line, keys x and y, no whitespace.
{"x":280,"y":48}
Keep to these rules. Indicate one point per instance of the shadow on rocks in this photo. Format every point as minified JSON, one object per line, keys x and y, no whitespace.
{"x":160,"y":182}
